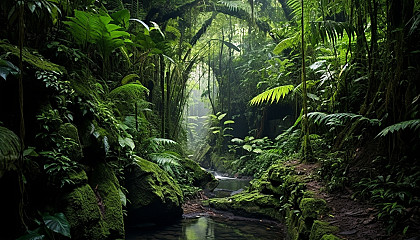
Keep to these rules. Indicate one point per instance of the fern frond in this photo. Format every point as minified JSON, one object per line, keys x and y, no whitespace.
{"x":338,"y":119}
{"x":236,"y":6}
{"x":9,"y":150}
{"x":164,"y":141}
{"x":168,"y":161}
{"x":287,"y":43}
{"x":410,"y":124}
{"x":272,"y":95}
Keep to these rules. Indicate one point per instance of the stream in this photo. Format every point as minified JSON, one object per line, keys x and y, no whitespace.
{"x":220,"y":227}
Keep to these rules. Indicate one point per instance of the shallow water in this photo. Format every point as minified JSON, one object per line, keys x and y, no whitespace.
{"x":205,"y":227}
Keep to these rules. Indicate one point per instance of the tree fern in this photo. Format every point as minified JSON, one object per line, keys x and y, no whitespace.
{"x":410,"y":124}
{"x":271,"y":95}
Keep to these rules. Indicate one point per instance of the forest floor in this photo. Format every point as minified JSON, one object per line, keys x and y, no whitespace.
{"x":356,"y":220}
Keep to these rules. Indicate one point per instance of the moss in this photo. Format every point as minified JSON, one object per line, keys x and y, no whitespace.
{"x":250,"y":203}
{"x":33,"y":58}
{"x":201,"y":178}
{"x":153,"y":194}
{"x":68,"y":130}
{"x":82,"y":212}
{"x":79,"y":178}
{"x":320,"y":228}
{"x":330,"y":237}
{"x":277,"y":174}
{"x":126,"y":96}
{"x":312,"y":207}
{"x":104,"y":180}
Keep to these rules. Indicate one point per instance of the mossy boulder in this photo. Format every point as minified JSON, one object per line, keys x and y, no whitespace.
{"x":154,"y":195}
{"x":126,"y":96}
{"x":78,"y":178}
{"x":201,"y":178}
{"x":320,"y":228}
{"x":107,"y":188}
{"x":252,"y":204}
{"x":69,"y":131}
{"x":312,"y":208}
{"x":83,"y":214}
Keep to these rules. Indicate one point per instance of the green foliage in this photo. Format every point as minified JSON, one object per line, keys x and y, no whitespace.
{"x":93,"y":28}
{"x":393,"y":195}
{"x":339,"y":119}
{"x":410,"y":124}
{"x":10,"y":149}
{"x":32,"y":57}
{"x":49,"y":227}
{"x":59,"y":167}
{"x":271,"y":95}
{"x":7,"y":68}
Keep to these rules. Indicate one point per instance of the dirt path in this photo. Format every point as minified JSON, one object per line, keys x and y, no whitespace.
{"x":356,"y":220}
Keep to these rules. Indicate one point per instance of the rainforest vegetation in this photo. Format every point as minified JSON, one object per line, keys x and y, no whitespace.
{"x":108,"y":108}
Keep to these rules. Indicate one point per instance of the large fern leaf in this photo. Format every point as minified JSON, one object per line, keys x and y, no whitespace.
{"x":237,"y":5}
{"x":9,"y":150}
{"x":410,"y":124}
{"x":287,"y":43}
{"x":337,"y":119}
{"x":271,"y":95}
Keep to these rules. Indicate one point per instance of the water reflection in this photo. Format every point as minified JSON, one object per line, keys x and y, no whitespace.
{"x":212,"y":229}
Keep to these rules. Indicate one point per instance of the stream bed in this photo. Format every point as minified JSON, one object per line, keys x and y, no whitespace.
{"x":219,"y":227}
{"x":214,"y":228}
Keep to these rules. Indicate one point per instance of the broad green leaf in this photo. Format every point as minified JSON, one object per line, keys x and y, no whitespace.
{"x":229,"y":122}
{"x":221,"y":116}
{"x":129,"y":142}
{"x":121,"y":141}
{"x":257,"y":150}
{"x":247,"y":147}
{"x":237,"y":140}
{"x":57,"y":223}
{"x":123,"y":198}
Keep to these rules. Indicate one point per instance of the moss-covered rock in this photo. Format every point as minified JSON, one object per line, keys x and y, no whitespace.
{"x":154,"y":195}
{"x":78,"y":178}
{"x":320,"y":228}
{"x":251,"y":204}
{"x":106,"y":185}
{"x":312,"y":207}
{"x":126,"y":96}
{"x":201,"y":178}
{"x":330,"y":237}
{"x":68,"y":130}
{"x":32,"y":58}
{"x":83,"y":214}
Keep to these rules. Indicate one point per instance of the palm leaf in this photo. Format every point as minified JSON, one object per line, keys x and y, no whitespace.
{"x":271,"y":95}
{"x":410,"y":124}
